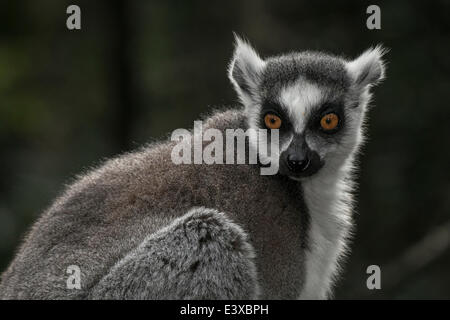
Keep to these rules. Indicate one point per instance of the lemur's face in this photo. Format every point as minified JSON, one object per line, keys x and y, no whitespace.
{"x":316,"y":101}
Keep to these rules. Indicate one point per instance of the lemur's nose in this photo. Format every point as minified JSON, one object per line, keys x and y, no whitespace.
{"x":298,"y":164}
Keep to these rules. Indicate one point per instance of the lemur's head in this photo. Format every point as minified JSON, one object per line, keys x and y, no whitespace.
{"x":316,"y":100}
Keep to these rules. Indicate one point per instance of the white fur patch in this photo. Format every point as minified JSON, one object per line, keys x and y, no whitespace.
{"x":329,"y":200}
{"x":299,"y":99}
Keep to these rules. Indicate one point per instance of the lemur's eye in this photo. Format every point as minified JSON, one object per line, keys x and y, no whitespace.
{"x":329,"y":121}
{"x":272,"y":121}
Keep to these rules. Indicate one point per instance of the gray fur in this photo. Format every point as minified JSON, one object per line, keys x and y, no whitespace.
{"x":131,"y":227}
{"x":319,"y":68}
{"x":202,"y":255}
{"x":110,"y":211}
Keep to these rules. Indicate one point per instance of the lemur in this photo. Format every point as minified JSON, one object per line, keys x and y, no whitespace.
{"x":142,"y":227}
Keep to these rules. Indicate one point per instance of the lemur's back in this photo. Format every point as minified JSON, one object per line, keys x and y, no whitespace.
{"x":109,"y":212}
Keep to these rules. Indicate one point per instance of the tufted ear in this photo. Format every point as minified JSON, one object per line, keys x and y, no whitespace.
{"x":368,"y":69}
{"x":245,"y":69}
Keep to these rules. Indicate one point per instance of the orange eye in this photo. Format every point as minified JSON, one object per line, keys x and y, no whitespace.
{"x":329,"y":121}
{"x":272,"y":121}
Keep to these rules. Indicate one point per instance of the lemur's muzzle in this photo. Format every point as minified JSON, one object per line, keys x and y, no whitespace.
{"x":299,"y":160}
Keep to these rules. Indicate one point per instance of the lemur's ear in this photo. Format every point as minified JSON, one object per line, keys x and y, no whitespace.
{"x":245,"y":69}
{"x":368,"y":68}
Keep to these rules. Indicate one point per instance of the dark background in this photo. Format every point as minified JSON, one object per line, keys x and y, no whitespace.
{"x":139,"y":69}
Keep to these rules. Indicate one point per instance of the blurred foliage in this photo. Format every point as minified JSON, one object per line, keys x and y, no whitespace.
{"x":139,"y":69}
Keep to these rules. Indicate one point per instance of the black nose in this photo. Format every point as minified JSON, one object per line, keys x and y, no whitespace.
{"x":297,"y":164}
